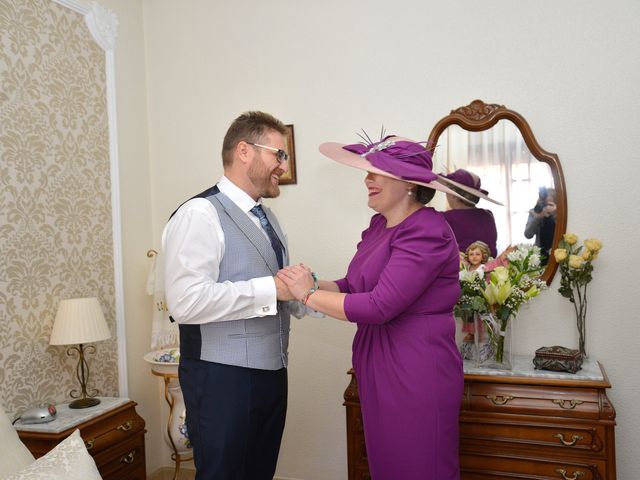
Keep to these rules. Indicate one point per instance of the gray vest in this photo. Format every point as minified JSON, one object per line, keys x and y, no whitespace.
{"x":259,"y":342}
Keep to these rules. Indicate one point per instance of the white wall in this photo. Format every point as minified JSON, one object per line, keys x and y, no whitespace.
{"x":571,"y":68}
{"x":136,"y":207}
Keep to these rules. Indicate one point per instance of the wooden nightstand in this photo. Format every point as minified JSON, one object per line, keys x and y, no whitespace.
{"x":524,"y":424}
{"x":112,"y":431}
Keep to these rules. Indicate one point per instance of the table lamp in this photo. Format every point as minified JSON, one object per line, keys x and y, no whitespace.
{"x":80,"y":321}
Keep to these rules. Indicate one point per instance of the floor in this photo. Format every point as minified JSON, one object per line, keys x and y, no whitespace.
{"x":166,"y":473}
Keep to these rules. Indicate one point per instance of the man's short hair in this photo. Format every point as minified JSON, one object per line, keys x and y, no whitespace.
{"x":248,"y":127}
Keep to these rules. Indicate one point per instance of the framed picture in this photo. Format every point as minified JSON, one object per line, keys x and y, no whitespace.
{"x":289,"y":178}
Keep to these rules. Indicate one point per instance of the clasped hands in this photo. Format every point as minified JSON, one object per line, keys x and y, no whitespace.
{"x":293,"y":282}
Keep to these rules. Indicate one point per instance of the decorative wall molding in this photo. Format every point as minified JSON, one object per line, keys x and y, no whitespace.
{"x":103,"y":25}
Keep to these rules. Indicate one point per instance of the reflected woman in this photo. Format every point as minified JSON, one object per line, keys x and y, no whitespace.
{"x":468,"y":222}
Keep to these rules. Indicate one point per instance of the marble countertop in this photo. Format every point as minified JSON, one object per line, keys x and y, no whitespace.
{"x":70,"y":417}
{"x":523,"y":367}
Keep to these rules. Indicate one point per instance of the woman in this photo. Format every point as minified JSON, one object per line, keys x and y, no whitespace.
{"x":468,"y":222}
{"x":400,"y":290}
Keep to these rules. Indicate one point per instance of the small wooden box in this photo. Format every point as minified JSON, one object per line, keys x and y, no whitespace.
{"x":558,"y":359}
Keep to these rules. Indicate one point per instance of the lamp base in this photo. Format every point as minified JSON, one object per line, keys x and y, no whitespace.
{"x":84,"y":403}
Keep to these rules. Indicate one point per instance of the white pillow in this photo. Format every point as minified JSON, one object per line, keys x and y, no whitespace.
{"x":13,"y":453}
{"x":69,"y":460}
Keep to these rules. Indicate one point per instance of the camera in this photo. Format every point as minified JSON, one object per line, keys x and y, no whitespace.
{"x":542,"y":198}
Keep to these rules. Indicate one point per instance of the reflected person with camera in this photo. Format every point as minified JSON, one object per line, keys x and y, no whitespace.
{"x":542,"y":222}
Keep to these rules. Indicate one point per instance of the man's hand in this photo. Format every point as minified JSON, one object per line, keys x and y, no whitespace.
{"x":298,"y":278}
{"x":282,"y":291}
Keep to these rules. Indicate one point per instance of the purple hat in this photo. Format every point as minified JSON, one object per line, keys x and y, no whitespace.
{"x":393,"y":157}
{"x":469,"y":182}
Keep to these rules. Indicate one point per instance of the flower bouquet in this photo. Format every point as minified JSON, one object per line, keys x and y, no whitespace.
{"x":497,"y":298}
{"x":508,"y":289}
{"x":575,"y":262}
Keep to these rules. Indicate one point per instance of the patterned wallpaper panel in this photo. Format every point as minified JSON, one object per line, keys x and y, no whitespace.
{"x":55,"y":204}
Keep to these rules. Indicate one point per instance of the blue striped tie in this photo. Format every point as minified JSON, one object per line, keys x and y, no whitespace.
{"x":273,"y":238}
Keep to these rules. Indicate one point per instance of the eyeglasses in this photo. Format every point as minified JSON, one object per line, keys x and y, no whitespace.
{"x":281,"y":155}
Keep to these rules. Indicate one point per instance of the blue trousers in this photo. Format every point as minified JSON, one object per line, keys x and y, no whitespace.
{"x":235,"y":418}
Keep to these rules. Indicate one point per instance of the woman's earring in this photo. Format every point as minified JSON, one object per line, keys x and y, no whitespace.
{"x":410,"y":193}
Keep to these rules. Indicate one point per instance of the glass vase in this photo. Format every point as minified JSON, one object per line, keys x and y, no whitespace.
{"x":499,"y":333}
{"x":483,"y":347}
{"x":466,"y":334}
{"x":582,"y":332}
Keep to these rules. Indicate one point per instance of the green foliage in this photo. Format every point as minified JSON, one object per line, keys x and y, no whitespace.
{"x":505,"y":289}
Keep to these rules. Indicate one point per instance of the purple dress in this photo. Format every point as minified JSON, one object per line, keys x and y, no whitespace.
{"x":402,"y":285}
{"x":472,"y":224}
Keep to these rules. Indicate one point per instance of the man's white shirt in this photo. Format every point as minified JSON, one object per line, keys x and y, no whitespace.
{"x":193,"y":244}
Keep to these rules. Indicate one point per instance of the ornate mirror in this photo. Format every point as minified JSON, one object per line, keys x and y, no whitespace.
{"x":498,"y":146}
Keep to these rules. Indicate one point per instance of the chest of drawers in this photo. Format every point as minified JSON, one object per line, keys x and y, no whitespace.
{"x":523,"y":424}
{"x":112,"y":431}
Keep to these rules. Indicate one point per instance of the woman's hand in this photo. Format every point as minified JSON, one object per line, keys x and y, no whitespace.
{"x":298,"y":278}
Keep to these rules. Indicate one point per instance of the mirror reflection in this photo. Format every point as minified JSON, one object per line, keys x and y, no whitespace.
{"x":511,"y":175}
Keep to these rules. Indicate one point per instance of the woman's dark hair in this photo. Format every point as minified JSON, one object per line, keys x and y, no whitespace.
{"x":424,"y":194}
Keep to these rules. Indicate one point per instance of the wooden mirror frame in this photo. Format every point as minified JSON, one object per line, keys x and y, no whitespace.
{"x":479,"y":116}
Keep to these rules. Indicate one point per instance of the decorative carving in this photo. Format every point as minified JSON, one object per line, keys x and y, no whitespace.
{"x":478,"y":110}
{"x":606,"y":409}
{"x":351,"y":393}
{"x":479,"y":116}
{"x":596,"y":442}
{"x":103,"y":25}
{"x":595,"y":473}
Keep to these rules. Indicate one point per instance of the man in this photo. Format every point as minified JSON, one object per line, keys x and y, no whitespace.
{"x":221,"y":257}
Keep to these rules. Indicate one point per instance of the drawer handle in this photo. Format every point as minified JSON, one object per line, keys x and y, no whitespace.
{"x":125,"y":427}
{"x":568,"y":404}
{"x":499,"y":399}
{"x":129,"y":457}
{"x":570,"y":443}
{"x":89,"y":443}
{"x":577,"y":474}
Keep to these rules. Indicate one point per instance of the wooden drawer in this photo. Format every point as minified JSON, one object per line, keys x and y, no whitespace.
{"x":571,"y":440}
{"x":115,"y":429}
{"x":513,"y":427}
{"x":538,"y":400}
{"x":115,"y":439}
{"x":124,"y":461}
{"x":483,"y":466}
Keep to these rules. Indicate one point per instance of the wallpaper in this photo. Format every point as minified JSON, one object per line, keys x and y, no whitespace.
{"x":55,"y":200}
